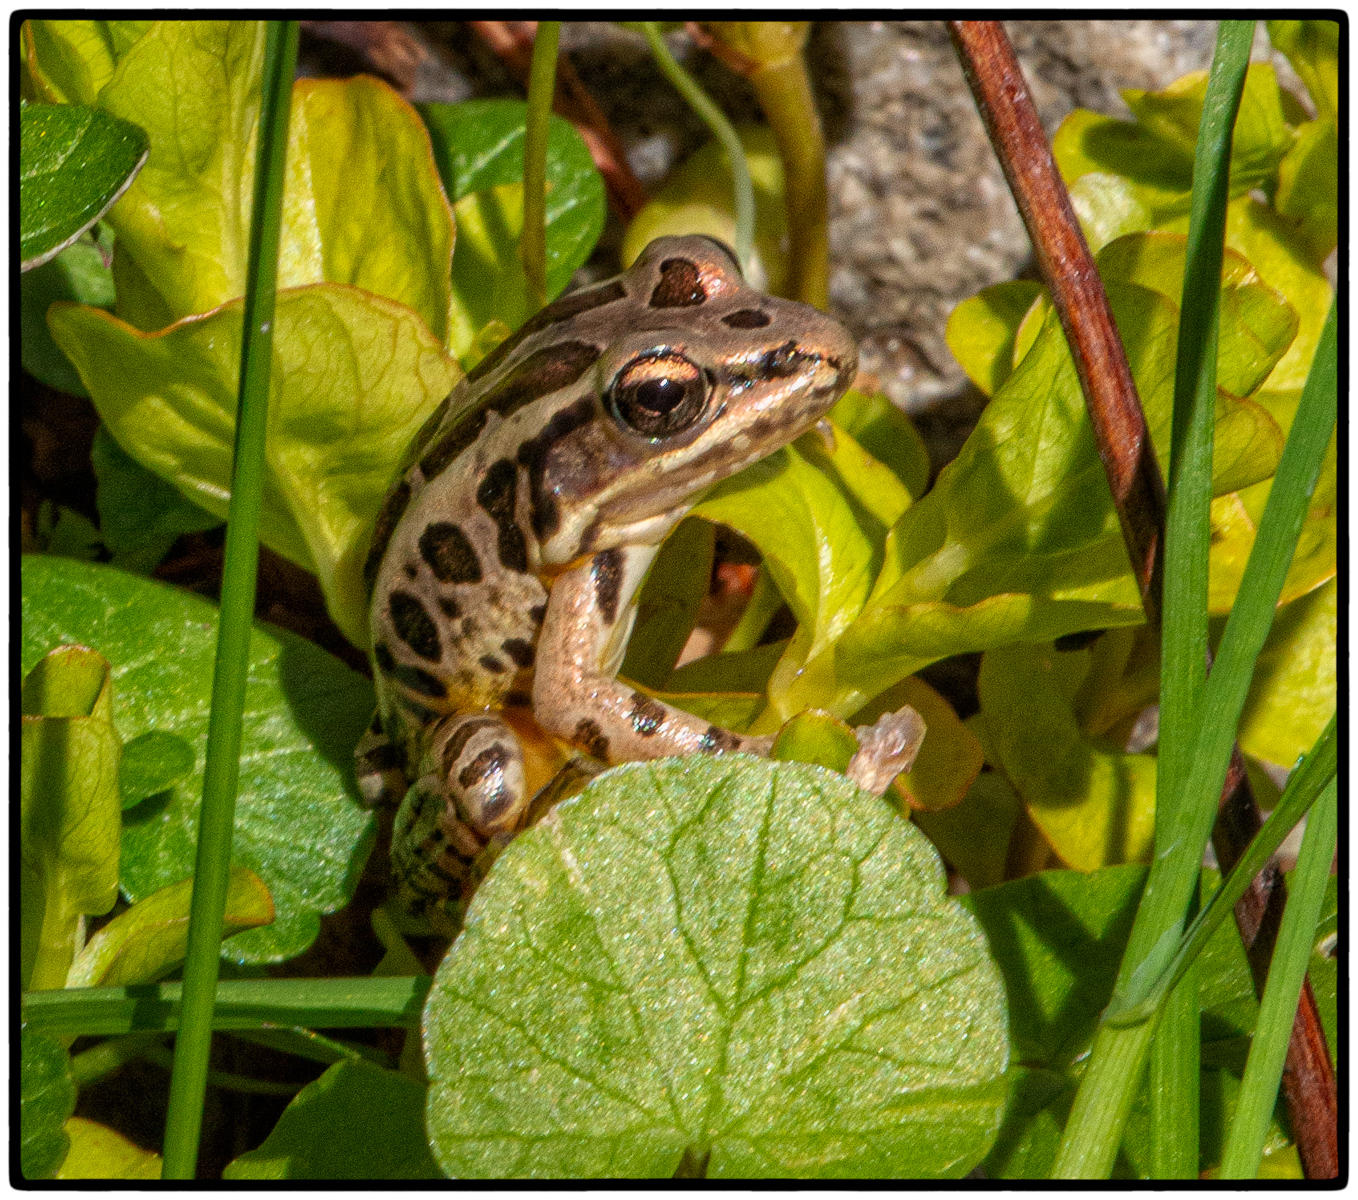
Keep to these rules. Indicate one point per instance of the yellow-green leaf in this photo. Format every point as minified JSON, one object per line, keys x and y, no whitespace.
{"x":1095,"y":807}
{"x":70,"y":61}
{"x":354,"y":377}
{"x":69,"y":811}
{"x":146,"y":941}
{"x":98,"y":1152}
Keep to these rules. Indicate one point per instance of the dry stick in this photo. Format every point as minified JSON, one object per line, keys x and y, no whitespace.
{"x":1067,"y":267}
{"x":512,"y":43}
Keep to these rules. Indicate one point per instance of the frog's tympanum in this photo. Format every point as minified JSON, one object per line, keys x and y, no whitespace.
{"x":504,"y":562}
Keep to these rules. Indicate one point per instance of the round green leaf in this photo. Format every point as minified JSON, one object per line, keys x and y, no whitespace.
{"x":46,"y":1099}
{"x":74,"y":162}
{"x":353,"y":1095}
{"x":733,"y":966}
{"x":299,"y":825}
{"x":151,"y":763}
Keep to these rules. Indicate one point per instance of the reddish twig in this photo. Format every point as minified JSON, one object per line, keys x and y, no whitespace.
{"x":1067,"y":267}
{"x":512,"y":43}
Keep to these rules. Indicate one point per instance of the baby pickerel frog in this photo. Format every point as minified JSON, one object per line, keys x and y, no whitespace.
{"x":505,"y":560}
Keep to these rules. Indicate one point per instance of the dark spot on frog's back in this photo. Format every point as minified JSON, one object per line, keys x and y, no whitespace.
{"x":414,"y":626}
{"x":496,"y":496}
{"x":392,"y":509}
{"x":520,"y":651}
{"x":540,"y":374}
{"x":717,"y":740}
{"x":418,"y":680}
{"x":606,"y":572}
{"x":570,"y":305}
{"x":532,"y":454}
{"x":449,"y":554}
{"x":680,"y":285}
{"x":746,"y":318}
{"x":459,"y":438}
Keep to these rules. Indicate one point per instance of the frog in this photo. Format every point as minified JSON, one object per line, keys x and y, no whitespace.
{"x":505,"y":560}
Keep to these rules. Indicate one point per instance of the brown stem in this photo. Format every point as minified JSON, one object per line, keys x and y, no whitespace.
{"x":512,"y":43}
{"x":1067,"y":267}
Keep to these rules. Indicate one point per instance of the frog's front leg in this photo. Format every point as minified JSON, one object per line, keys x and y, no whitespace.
{"x":575,"y":694}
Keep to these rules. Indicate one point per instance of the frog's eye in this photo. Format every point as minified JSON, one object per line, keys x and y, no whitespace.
{"x":659,"y":394}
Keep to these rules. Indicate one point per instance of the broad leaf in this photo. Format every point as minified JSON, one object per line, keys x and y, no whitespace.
{"x":140,"y":515}
{"x":1095,"y":807}
{"x":299,"y":824}
{"x":80,"y":274}
{"x":1308,"y":188}
{"x":147,"y":941}
{"x":152,"y":763}
{"x":478,"y":146}
{"x":70,"y":61}
{"x":726,"y":966}
{"x":74,"y":162}
{"x":354,"y":1095}
{"x":98,"y":1152}
{"x":46,"y":1099}
{"x":1312,"y":47}
{"x":887,"y":434}
{"x":354,"y":378}
{"x":68,"y":806}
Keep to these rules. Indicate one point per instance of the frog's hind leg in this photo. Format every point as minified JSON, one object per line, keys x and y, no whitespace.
{"x":377,"y":763}
{"x":466,"y":805}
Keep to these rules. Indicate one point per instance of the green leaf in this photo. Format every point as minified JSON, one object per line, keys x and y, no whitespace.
{"x":820,"y":545}
{"x":667,"y":605}
{"x":46,"y":1099}
{"x":728,"y":965}
{"x":355,"y":376}
{"x":887,"y":434}
{"x":152,"y":763}
{"x":973,"y":836}
{"x":72,"y":60}
{"x":1312,"y":47}
{"x":79,"y":273}
{"x":1294,"y":689}
{"x":299,"y":825}
{"x":74,"y":162}
{"x":478,"y":146}
{"x":140,"y":515}
{"x":63,"y":531}
{"x":98,"y":1152}
{"x":388,"y":1107}
{"x":1094,"y":806}
{"x":362,"y":204}
{"x":147,"y":941}
{"x":981,"y":331}
{"x":1058,"y":937}
{"x":698,"y":197}
{"x":1308,"y":188}
{"x":68,"y":795}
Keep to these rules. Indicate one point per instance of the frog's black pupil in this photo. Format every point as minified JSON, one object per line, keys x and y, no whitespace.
{"x":659,"y":395}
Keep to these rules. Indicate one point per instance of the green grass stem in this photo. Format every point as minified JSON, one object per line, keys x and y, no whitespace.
{"x":254,"y":1004}
{"x":722,"y":130}
{"x":1277,"y":1009}
{"x":188,"y":1081}
{"x":541,"y":89}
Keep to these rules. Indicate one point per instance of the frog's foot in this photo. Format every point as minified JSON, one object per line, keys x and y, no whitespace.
{"x":377,"y":763}
{"x":885,"y":749}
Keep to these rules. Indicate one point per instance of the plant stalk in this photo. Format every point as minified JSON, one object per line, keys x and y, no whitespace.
{"x":188,"y":1082}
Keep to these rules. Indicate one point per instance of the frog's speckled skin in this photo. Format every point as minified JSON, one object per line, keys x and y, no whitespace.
{"x":504,"y":562}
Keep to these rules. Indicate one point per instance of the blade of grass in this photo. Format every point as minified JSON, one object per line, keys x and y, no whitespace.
{"x":1291,"y":954}
{"x":344,"y":1003}
{"x":722,"y":130}
{"x":1183,"y":640}
{"x":1088,"y":1149}
{"x":1305,"y":786}
{"x":188,"y":1082}
{"x":541,"y":88}
{"x":1090,"y":1141}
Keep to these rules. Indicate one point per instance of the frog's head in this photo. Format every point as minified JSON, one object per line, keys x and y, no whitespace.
{"x":698,"y":375}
